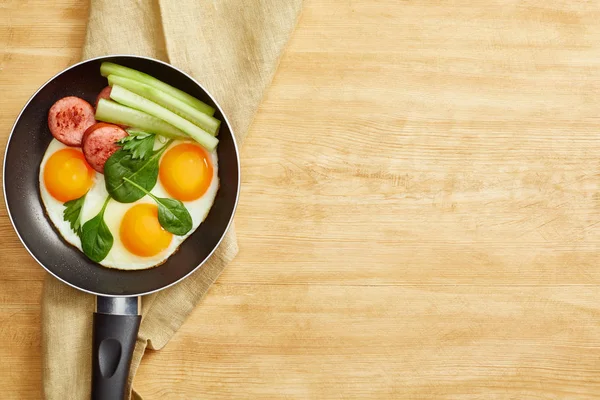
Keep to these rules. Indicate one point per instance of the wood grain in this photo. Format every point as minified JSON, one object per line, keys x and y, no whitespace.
{"x":419,"y":216}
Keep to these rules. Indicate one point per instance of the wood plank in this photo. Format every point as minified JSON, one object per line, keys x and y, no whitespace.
{"x":306,"y":342}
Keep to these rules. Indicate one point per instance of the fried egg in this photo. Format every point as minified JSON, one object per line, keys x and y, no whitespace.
{"x":187,"y":172}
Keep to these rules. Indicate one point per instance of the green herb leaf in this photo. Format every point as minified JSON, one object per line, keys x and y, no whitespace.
{"x":120,"y":165}
{"x":96,"y":239}
{"x":172,"y":214}
{"x":72,"y":213}
{"x":140,"y":144}
{"x":142,"y":172}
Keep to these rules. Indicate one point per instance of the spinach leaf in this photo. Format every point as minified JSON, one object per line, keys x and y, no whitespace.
{"x":72,"y":213}
{"x":172,"y":214}
{"x":121,"y":164}
{"x":142,"y":172}
{"x":138,"y":143}
{"x":96,"y":239}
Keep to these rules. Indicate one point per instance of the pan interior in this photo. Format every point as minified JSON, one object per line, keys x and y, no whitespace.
{"x":26,"y":147}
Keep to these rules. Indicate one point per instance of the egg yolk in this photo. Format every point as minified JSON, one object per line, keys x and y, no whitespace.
{"x":67,"y":175}
{"x":141,"y":232}
{"x":186,"y":171}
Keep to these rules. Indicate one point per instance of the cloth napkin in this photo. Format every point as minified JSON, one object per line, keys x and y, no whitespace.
{"x":232,"y":47}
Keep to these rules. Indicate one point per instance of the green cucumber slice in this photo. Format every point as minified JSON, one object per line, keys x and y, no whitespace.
{"x":109,"y":111}
{"x":130,"y":99}
{"x":108,"y":68}
{"x":204,"y":121}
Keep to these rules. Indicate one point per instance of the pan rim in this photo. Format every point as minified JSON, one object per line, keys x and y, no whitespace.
{"x":237,"y":195}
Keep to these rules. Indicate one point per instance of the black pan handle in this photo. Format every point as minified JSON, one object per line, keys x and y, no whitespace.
{"x":116,"y":325}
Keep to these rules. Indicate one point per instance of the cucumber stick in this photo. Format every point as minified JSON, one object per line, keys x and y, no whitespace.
{"x":204,"y":121}
{"x":130,"y":99}
{"x":109,"y":111}
{"x":108,"y":68}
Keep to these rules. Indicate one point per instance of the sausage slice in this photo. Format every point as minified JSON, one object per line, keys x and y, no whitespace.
{"x":68,"y":119}
{"x":99,"y":143}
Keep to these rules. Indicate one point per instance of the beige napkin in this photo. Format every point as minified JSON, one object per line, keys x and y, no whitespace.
{"x":232,"y":47}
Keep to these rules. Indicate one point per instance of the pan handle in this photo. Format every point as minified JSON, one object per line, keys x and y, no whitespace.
{"x":116,"y":325}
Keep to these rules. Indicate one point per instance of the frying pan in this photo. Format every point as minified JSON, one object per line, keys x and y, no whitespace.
{"x":118,"y":304}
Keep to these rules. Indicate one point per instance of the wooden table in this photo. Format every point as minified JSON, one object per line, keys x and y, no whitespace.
{"x":419,"y":219}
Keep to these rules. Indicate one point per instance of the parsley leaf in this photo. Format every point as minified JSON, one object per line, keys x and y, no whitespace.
{"x":72,"y":213}
{"x":139,"y":144}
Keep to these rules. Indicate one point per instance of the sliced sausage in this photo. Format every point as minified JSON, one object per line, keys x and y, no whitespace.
{"x":68,"y":119}
{"x":99,"y":143}
{"x":104,"y":94}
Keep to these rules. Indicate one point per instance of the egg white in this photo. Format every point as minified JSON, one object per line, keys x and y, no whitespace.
{"x":119,"y":257}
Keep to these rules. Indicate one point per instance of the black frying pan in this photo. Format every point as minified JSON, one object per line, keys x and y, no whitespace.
{"x":117,"y":318}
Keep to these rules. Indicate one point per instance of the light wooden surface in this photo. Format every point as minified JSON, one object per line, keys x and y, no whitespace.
{"x":419,"y":219}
